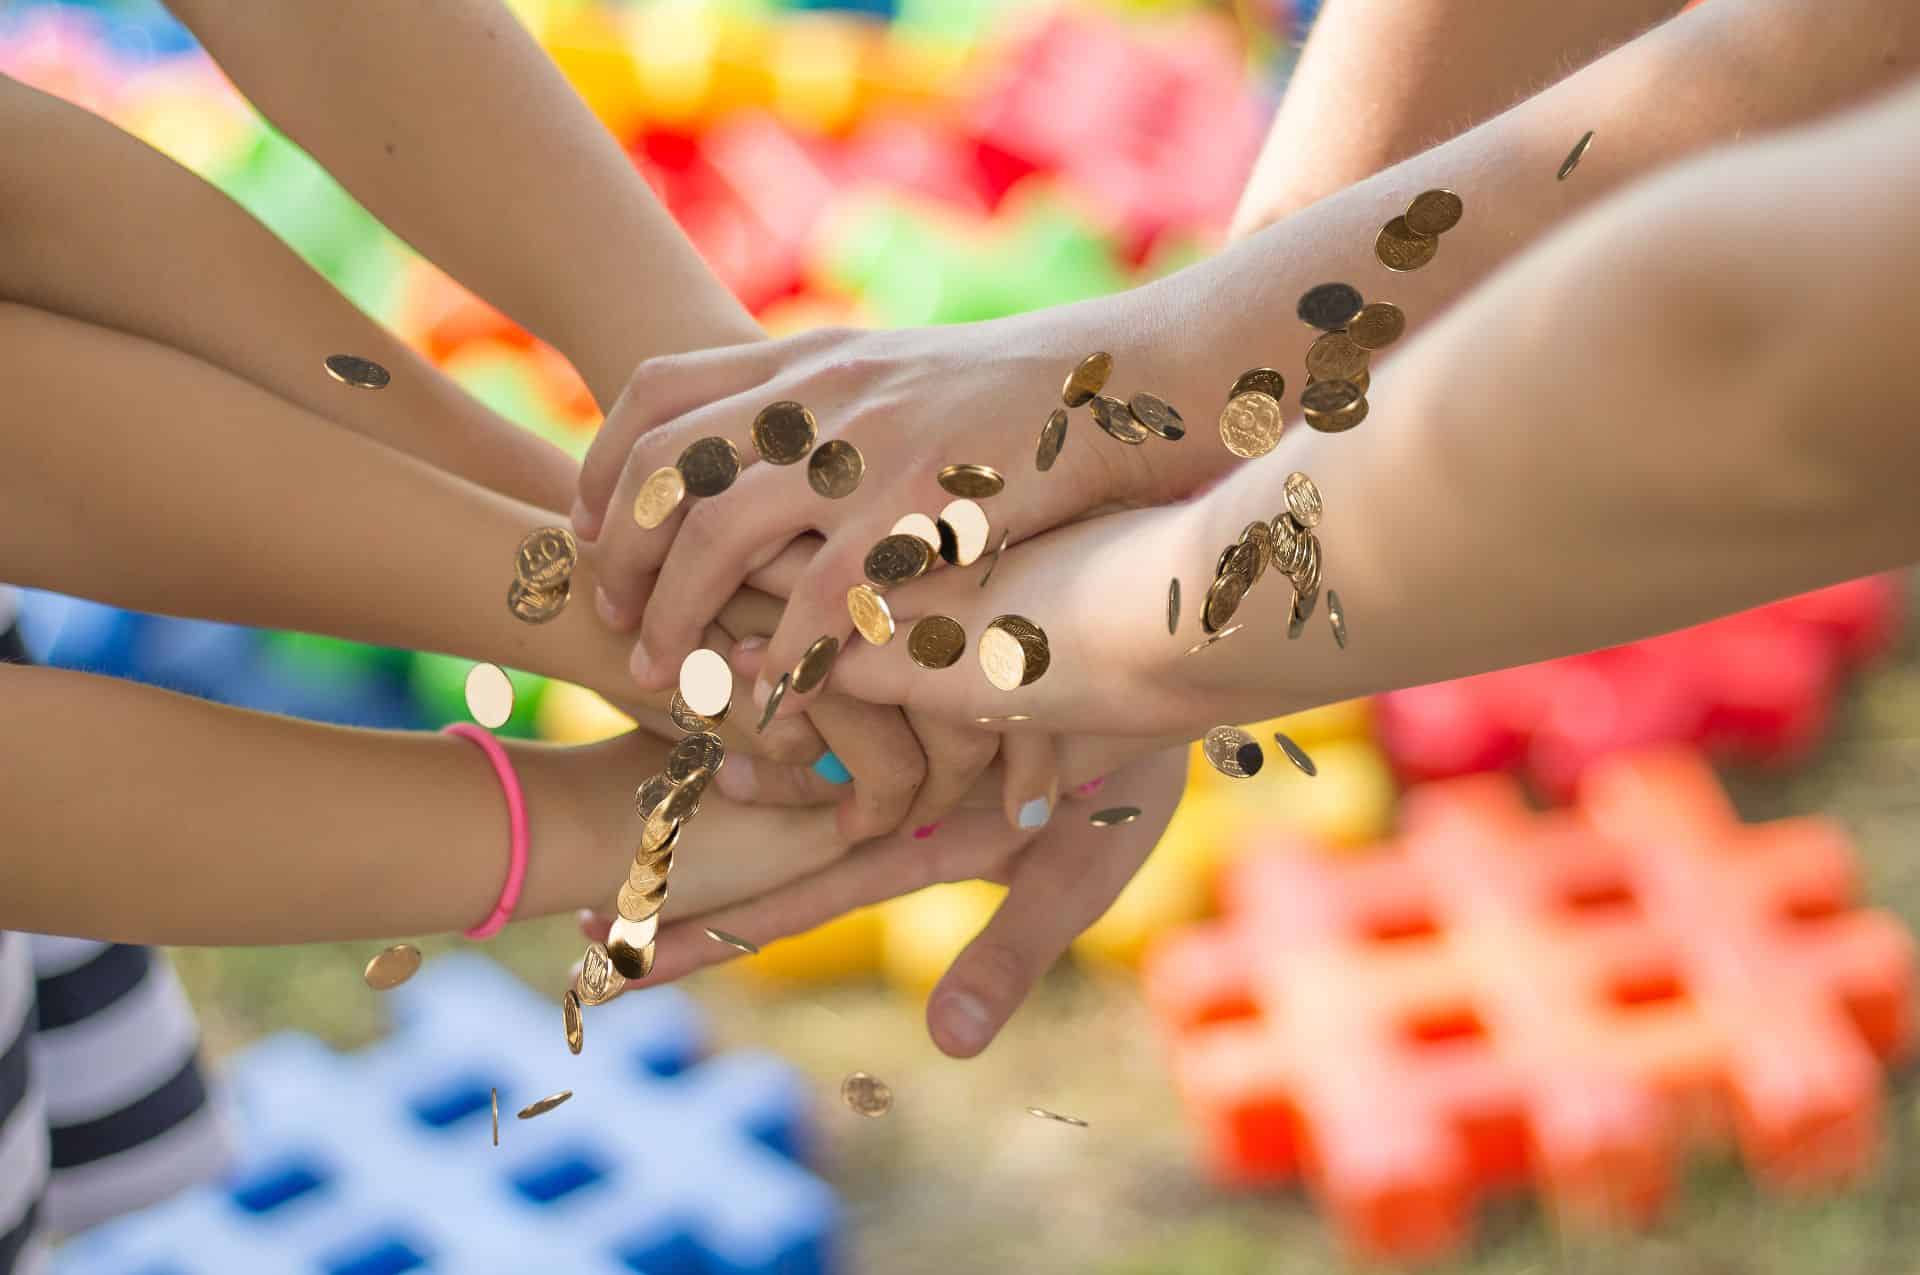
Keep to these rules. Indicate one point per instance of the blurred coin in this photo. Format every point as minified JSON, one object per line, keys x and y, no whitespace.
{"x":835,"y":469}
{"x":652,"y":791}
{"x":545,"y":1105}
{"x":1158,"y":416}
{"x":637,"y":903}
{"x":648,"y":872}
{"x":1250,"y":424}
{"x":1377,"y":326}
{"x":1087,"y":380}
{"x":1303,"y":500}
{"x":683,"y":803}
{"x":897,"y":559}
{"x":1329,"y":306}
{"x":658,"y":497}
{"x":1250,"y":759}
{"x":774,"y":696}
{"x":733,"y":941}
{"x":1337,"y":422}
{"x":866,"y":1095}
{"x":537,"y":606}
{"x":1173,"y":606}
{"x":392,"y":967}
{"x":364,"y":374}
{"x":495,"y":1099}
{"x":688,"y":720}
{"x":1335,"y":357}
{"x":1004,"y":656}
{"x":1223,"y":599}
{"x":974,"y":482}
{"x":1211,"y":638}
{"x":1257,"y":537}
{"x":659,"y":833}
{"x":1263,"y":379}
{"x":573,"y":1021}
{"x":1295,"y":753}
{"x":1115,"y":419}
{"x":783,"y":433}
{"x":1222,"y":746}
{"x":1337,"y":618}
{"x":1010,"y":717}
{"x":1364,"y":381}
{"x":936,"y":641}
{"x":706,"y":683}
{"x":1053,"y":436}
{"x":870,"y":614}
{"x":632,"y":962}
{"x":1113,"y":816}
{"x":816,"y":664}
{"x":1033,"y":641}
{"x":1399,"y":248}
{"x":1572,"y":160}
{"x":997,"y":551}
{"x":970,"y":531}
{"x":917,"y":525}
{"x":1434,"y":212}
{"x":1329,"y":396}
{"x":546,"y":558}
{"x":709,"y":466}
{"x":489,"y":695}
{"x":1290,"y":554}
{"x":1044,"y":1114}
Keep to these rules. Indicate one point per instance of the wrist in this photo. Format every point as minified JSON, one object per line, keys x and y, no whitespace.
{"x":576,"y":841}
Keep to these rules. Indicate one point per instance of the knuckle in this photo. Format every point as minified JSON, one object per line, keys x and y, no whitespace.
{"x":704,"y":524}
{"x":790,"y":744}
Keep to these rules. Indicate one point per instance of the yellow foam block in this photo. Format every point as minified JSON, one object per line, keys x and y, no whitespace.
{"x":845,"y":947}
{"x":592,"y":51}
{"x":926,"y":930}
{"x":817,"y":60}
{"x":1349,"y":719}
{"x":570,"y":715}
{"x":1171,"y":888}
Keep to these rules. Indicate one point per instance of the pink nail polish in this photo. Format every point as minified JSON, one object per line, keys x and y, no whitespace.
{"x":1091,"y":787}
{"x":925,"y":830}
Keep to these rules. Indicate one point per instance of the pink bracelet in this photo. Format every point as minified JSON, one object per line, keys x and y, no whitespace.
{"x":516,"y":822}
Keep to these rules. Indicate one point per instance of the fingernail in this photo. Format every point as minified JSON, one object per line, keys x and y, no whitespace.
{"x":583,"y":916}
{"x":579,"y":518}
{"x":642,"y":665}
{"x":735,"y":779}
{"x":1091,"y":787}
{"x":925,"y":830}
{"x":1036,"y":813}
{"x":762,"y":692}
{"x":832,"y":769}
{"x":604,"y":605}
{"x":964,"y":1022}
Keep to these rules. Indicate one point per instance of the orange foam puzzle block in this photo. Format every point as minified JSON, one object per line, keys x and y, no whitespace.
{"x":1563,"y":1001}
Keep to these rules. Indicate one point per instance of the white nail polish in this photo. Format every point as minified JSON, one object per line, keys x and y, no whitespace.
{"x":1035,"y":813}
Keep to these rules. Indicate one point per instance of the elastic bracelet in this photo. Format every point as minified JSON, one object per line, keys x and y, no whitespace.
{"x":516,"y":823}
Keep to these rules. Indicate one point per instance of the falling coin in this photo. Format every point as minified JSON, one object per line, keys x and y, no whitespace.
{"x":688,"y":720}
{"x":1364,"y":381}
{"x":1322,"y":397}
{"x":706,"y":683}
{"x":974,"y":482}
{"x":495,"y":1097}
{"x":917,"y":525}
{"x":816,"y":664}
{"x":659,"y":496}
{"x":968,"y":524}
{"x":599,"y":982}
{"x":733,"y":941}
{"x":1250,"y":424}
{"x":392,"y":967}
{"x":1337,"y":422}
{"x":1336,"y":357}
{"x":1158,"y":416}
{"x":546,"y":558}
{"x":866,"y":1095}
{"x":1337,"y":618}
{"x":1295,"y":753}
{"x":489,"y":695}
{"x":997,"y":551}
{"x":1035,"y":658}
{"x":1263,"y":379}
{"x":1250,"y":759}
{"x":709,"y":466}
{"x":537,"y":606}
{"x":1377,"y":326}
{"x":576,"y":1025}
{"x":364,"y":374}
{"x":936,"y":642}
{"x":1211,"y":638}
{"x":894,"y":560}
{"x":1087,"y":380}
{"x":545,"y":1105}
{"x":1173,"y":606}
{"x":1329,"y":306}
{"x":783,"y":433}
{"x":1573,"y":158}
{"x":835,"y":469}
{"x":1044,"y":1114}
{"x":1224,"y":597}
{"x":1010,"y":717}
{"x":1400,"y":249}
{"x":1053,"y":436}
{"x":632,"y":962}
{"x":1113,"y":816}
{"x":870,"y":614}
{"x":1115,"y":420}
{"x":1222,"y":747}
{"x":1303,"y":500}
{"x":1434,"y":212}
{"x":778,"y":693}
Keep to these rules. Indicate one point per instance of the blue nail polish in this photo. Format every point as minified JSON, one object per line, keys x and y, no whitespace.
{"x":1034,"y":813}
{"x":832,"y":769}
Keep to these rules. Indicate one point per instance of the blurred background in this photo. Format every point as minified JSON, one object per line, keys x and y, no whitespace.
{"x":899,"y":162}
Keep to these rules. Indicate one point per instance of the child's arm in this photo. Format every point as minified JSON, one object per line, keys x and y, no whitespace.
{"x":452,"y":126}
{"x":1382,"y":80}
{"x":137,"y":815}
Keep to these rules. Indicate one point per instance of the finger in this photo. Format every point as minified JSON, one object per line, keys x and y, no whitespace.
{"x":881,"y":753}
{"x":659,"y":391}
{"x":594,"y":926}
{"x":792,"y":741}
{"x":816,"y":610}
{"x":1032,"y":786}
{"x":779,"y":576}
{"x":956,"y":758}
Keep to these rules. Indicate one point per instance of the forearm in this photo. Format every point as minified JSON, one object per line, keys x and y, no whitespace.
{"x":141,"y":816}
{"x":122,"y":237}
{"x":458,"y":132}
{"x":1382,"y":80}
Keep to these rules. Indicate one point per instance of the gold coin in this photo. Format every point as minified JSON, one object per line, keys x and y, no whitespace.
{"x":537,"y":606}
{"x":362,"y":374}
{"x":658,"y":497}
{"x":1053,"y":436}
{"x":1243,"y":560}
{"x":1211,"y":638}
{"x":1258,"y":537}
{"x":1290,"y":552}
{"x":1572,"y":160}
{"x":1329,"y":396}
{"x":599,"y":982}
{"x":1033,"y":641}
{"x":683,"y":803}
{"x":975,"y":482}
{"x":546,"y":558}
{"x":1113,"y":816}
{"x":1329,"y":306}
{"x":1010,"y":717}
{"x":949,"y":546}
{"x":1223,"y":599}
{"x":632,"y":962}
{"x":917,"y":525}
{"x":1303,"y":500}
{"x":1264,"y":379}
{"x":1307,"y":578}
{"x":648,"y":872}
{"x":936,"y":641}
{"x":573,"y":1021}
{"x":1364,"y":381}
{"x":1337,"y":618}
{"x":1044,"y":1114}
{"x":693,"y":753}
{"x":709,"y":466}
{"x":968,"y":525}
{"x":997,"y":551}
{"x":1335,"y":357}
{"x":495,"y":1097}
{"x":870,"y":614}
{"x":1224,"y":563}
{"x":635,"y":934}
{"x":866,"y":1095}
{"x":783,"y":433}
{"x":1158,"y":416}
{"x":1434,"y":212}
{"x":1013,"y":652}
{"x":836,"y":468}
{"x":1115,"y":419}
{"x":489,"y":695}
{"x":1250,"y":424}
{"x":1087,"y":380}
{"x":1399,"y":248}
{"x":1295,"y":753}
{"x":636,"y":904}
{"x":652,"y":791}
{"x":895,"y":560}
{"x":1296,"y":623}
{"x":774,"y":696}
{"x":733,"y":941}
{"x":816,"y":664}
{"x":688,"y":720}
{"x":545,"y":1105}
{"x":660,"y":833}
{"x":1173,"y":606}
{"x":1338,"y":422}
{"x":1222,"y":746}
{"x":1377,"y":326}
{"x":706,"y":683}
{"x":392,"y":967}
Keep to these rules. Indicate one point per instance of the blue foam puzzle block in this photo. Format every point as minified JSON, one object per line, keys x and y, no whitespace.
{"x":382,"y":1163}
